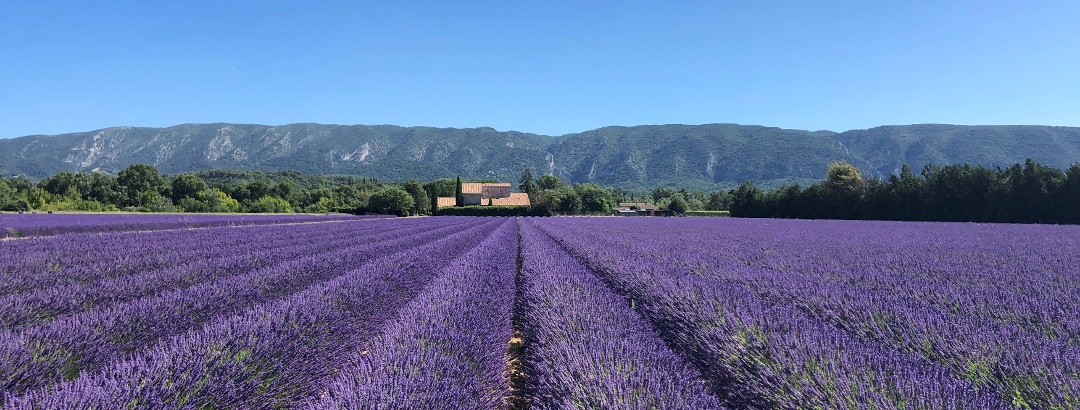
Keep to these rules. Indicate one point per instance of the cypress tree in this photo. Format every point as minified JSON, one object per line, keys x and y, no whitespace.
{"x":458,"y":196}
{"x":434,"y":200}
{"x":526,"y":183}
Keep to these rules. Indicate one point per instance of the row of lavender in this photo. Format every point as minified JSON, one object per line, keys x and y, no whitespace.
{"x":242,"y":336}
{"x":798,"y":314}
{"x":586,"y":347}
{"x":27,"y":225}
{"x":445,"y":349}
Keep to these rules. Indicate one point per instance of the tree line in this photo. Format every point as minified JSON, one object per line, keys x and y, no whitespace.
{"x":142,"y":188}
{"x":1021,"y":193}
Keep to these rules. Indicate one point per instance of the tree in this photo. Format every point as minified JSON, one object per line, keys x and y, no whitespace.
{"x":104,"y":189}
{"x":695,"y":200}
{"x":526,"y":183}
{"x":187,"y":186}
{"x":747,"y":201}
{"x":459,"y":197}
{"x":844,"y":185}
{"x":154,"y":202}
{"x":63,"y":184}
{"x":906,"y":200}
{"x":270,"y":204}
{"x":322,"y":205}
{"x":419,"y":196}
{"x":9,"y":200}
{"x":678,"y":205}
{"x":434,"y":205}
{"x":443,"y":187}
{"x":1032,"y":189}
{"x":253,"y":191}
{"x":718,"y":201}
{"x":617,"y":195}
{"x":351,"y":196}
{"x":1069,"y":196}
{"x":319,"y":200}
{"x":958,"y":193}
{"x":547,"y":182}
{"x":141,"y":178}
{"x":842,"y":178}
{"x":142,"y":186}
{"x":564,"y":200}
{"x":218,"y":201}
{"x":288,"y":189}
{"x":189,"y":204}
{"x":787,"y":202}
{"x":594,"y":199}
{"x":662,"y":194}
{"x":391,"y":200}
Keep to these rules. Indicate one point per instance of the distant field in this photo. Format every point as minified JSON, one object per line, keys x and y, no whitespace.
{"x":494,"y":313}
{"x":41,"y":224}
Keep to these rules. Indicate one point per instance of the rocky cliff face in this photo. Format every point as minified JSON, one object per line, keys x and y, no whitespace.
{"x":697,"y":156}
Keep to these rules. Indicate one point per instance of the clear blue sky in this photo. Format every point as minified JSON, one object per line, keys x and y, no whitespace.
{"x":543,"y":67}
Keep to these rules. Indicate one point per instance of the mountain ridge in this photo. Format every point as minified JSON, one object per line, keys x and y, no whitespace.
{"x":704,"y":156}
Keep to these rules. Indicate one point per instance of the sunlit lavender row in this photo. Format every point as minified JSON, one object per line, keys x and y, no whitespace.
{"x":587,"y":347}
{"x":505,"y":313}
{"x":23,"y":225}
{"x":447,"y":348}
{"x":897,"y":314}
{"x":64,"y":348}
{"x":272,"y":354}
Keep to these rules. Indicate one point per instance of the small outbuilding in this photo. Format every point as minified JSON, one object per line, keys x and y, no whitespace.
{"x":637,"y":209}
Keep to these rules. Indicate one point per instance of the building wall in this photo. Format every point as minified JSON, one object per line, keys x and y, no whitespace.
{"x":472,"y":199}
{"x":446,"y":201}
{"x":496,"y":191}
{"x":472,"y":188}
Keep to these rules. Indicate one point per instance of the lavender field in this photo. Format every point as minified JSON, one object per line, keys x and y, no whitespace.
{"x":546,"y":313}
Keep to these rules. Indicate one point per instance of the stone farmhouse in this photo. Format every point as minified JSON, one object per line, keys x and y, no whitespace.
{"x":479,"y":193}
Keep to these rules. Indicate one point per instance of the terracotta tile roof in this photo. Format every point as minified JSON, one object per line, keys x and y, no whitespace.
{"x":478,"y":187}
{"x":515,"y":199}
{"x":471,"y":187}
{"x":445,"y":201}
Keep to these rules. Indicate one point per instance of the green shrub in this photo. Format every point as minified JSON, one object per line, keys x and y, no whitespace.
{"x":391,"y":201}
{"x":270,"y":204}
